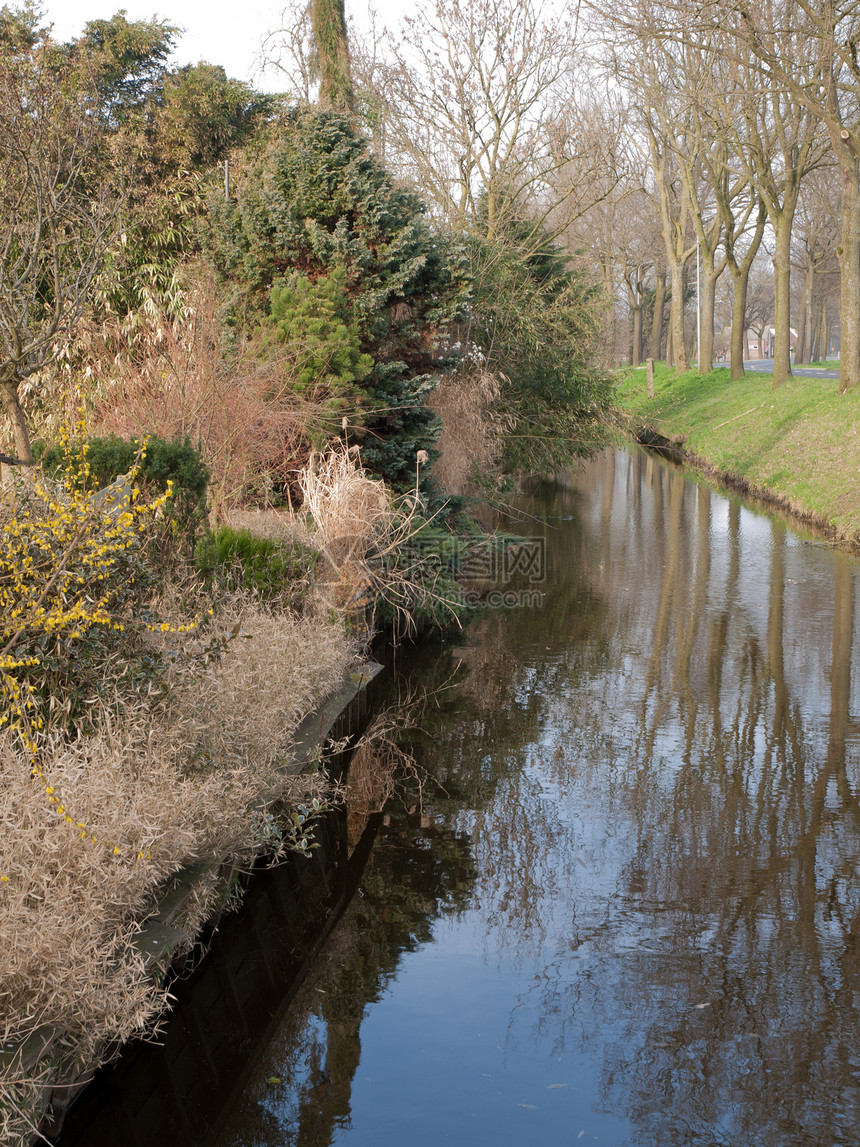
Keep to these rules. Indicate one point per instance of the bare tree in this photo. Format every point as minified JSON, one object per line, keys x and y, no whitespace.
{"x":816,"y":240}
{"x":288,"y":48}
{"x":482,"y":113}
{"x":781,"y":144}
{"x":664,"y":81}
{"x":665,"y":125}
{"x":594,"y":239}
{"x":742,"y":239}
{"x":639,"y":249}
{"x":807,"y":50}
{"x":58,"y":218}
{"x":759,"y":304}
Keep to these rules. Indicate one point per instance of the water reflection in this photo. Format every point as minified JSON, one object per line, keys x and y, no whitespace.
{"x":628,"y":910}
{"x":731,"y":760}
{"x":317,"y":1051}
{"x":652,"y":783}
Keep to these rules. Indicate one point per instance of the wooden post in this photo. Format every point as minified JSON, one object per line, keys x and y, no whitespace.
{"x":649,"y":366}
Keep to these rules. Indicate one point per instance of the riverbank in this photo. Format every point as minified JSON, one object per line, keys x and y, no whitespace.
{"x":162,"y":728}
{"x":797,"y":446}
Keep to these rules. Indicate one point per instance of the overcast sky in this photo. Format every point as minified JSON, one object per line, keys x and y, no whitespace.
{"x":226,"y":32}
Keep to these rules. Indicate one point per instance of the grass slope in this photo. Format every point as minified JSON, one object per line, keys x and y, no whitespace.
{"x":800,"y":442}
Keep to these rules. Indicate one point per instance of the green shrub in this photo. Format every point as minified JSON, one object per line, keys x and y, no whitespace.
{"x":164,"y":461}
{"x":313,"y":319}
{"x":535,"y":319}
{"x":273,"y":569}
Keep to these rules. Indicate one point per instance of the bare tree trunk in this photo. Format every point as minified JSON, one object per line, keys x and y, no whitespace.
{"x":808,"y":317}
{"x":740,"y":273}
{"x":740,"y":342}
{"x":782,"y":301}
{"x":707,"y":302}
{"x":819,"y":328}
{"x":656,"y":342}
{"x":634,"y":298}
{"x":849,"y":262}
{"x":20,"y":435}
{"x":636,"y":355}
{"x":810,"y":322}
{"x":823,"y":336}
{"x":681,"y":360}
{"x":607,"y":271}
{"x":804,"y":332}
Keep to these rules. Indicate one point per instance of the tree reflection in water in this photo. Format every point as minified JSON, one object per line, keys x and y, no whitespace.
{"x":736,"y":787}
{"x":648,"y":825}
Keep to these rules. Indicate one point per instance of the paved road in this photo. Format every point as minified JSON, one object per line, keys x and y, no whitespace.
{"x":765,"y":365}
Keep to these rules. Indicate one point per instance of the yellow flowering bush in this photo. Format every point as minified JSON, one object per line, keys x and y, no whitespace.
{"x":72,"y":580}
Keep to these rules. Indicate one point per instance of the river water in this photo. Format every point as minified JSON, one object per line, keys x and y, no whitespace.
{"x":623,"y":907}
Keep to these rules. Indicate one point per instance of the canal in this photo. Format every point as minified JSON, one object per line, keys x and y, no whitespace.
{"x":620,"y":902}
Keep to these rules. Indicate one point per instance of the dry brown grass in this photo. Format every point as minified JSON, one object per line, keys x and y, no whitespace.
{"x":366,"y":536}
{"x":245,"y":707}
{"x":472,"y":431}
{"x":178,"y":376}
{"x":166,"y":784}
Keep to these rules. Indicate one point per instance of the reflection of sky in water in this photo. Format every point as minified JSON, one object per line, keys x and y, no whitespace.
{"x":484,"y":1078}
{"x":657,"y":943}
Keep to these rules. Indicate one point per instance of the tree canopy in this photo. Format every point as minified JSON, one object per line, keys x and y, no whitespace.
{"x":315,"y":200}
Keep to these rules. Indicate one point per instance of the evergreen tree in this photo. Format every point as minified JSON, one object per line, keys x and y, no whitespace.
{"x":169,"y":126}
{"x":127,"y":61}
{"x":317,"y":201}
{"x":314,"y":319}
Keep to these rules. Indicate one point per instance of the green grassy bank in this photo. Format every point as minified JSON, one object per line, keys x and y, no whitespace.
{"x":799,"y":443}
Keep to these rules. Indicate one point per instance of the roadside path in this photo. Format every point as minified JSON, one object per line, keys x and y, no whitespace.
{"x":765,"y":366}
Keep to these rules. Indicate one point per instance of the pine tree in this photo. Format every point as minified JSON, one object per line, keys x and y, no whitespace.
{"x":313,"y":319}
{"x":317,"y":201}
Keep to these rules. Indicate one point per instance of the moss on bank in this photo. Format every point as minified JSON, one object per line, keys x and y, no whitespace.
{"x":799,"y":444}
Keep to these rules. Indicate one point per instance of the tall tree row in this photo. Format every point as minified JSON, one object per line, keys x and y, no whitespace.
{"x":736,"y":109}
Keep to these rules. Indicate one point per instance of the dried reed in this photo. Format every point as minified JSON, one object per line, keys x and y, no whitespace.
{"x":471,"y":441}
{"x":366,"y":536}
{"x":169,"y":781}
{"x":344,"y":502}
